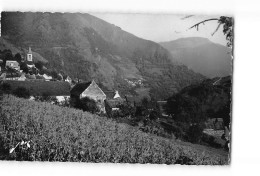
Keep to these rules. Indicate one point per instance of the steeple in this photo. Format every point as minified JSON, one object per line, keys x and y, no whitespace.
{"x":29,"y":55}
{"x":30,"y":51}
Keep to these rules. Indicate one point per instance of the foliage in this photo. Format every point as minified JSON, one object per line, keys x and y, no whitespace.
{"x":89,"y":105}
{"x":7,"y":55}
{"x":64,"y":134}
{"x":21,"y":92}
{"x":18,"y":57}
{"x":24,"y":68}
{"x":195,"y":133}
{"x":46,"y":97}
{"x":227,"y":23}
{"x":125,"y":110}
{"x":196,"y":104}
{"x":39,"y":65}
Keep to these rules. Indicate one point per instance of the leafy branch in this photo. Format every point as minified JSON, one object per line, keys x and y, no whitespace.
{"x":202,"y":22}
{"x":227,"y":23}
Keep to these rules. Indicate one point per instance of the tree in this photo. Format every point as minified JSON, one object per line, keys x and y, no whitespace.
{"x":6,"y":55}
{"x":227,"y":23}
{"x":39,"y":65}
{"x":145,"y":102}
{"x":89,"y":105}
{"x":24,"y":68}
{"x":18,"y":57}
{"x":54,"y":74}
{"x":195,"y":133}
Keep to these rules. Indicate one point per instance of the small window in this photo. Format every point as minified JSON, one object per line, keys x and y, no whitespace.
{"x":29,"y":57}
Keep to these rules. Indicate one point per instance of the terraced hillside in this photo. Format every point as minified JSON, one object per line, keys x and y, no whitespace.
{"x":63,"y":134}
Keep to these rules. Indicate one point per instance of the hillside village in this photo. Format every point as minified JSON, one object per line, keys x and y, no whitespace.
{"x":23,"y":72}
{"x":74,"y":83}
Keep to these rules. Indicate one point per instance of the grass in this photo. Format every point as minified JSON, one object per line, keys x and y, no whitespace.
{"x":65,"y":134}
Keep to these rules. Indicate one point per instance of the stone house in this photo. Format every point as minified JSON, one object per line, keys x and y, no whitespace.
{"x":12,"y":64}
{"x":90,"y":90}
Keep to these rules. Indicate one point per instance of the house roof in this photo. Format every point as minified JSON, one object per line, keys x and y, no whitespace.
{"x":110,"y":94}
{"x":79,"y":88}
{"x":113,"y":103}
{"x":29,"y":62}
{"x":11,"y":60}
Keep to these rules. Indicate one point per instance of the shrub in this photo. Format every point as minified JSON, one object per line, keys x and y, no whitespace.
{"x":47,"y":98}
{"x":195,"y":133}
{"x":21,"y":92}
{"x":89,"y":105}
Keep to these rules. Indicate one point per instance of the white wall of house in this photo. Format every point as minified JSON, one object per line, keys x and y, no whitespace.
{"x":62,"y":98}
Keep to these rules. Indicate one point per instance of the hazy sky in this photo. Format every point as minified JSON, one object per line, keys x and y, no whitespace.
{"x":164,"y":27}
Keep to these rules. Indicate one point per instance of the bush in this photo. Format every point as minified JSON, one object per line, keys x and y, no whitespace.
{"x":47,"y":98}
{"x":89,"y":105}
{"x":21,"y":92}
{"x":195,"y":133}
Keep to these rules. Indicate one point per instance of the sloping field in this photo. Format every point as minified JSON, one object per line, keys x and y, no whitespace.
{"x":64,"y":134}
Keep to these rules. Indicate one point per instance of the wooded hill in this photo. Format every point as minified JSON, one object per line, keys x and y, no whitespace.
{"x":85,"y":47}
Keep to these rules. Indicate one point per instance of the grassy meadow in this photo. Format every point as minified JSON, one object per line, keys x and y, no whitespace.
{"x":65,"y":134}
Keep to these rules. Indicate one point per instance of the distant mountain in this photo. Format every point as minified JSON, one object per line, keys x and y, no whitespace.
{"x":201,"y":55}
{"x":87,"y":47}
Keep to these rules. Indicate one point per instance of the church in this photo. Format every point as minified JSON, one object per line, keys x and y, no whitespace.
{"x":29,"y":59}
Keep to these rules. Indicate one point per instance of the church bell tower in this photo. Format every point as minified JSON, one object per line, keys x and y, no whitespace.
{"x":29,"y":55}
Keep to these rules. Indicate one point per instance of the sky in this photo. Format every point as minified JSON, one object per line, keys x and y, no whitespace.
{"x":164,"y":27}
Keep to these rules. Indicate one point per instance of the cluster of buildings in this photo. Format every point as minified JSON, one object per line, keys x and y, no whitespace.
{"x":12,"y":70}
{"x":106,"y":101}
{"x":12,"y":63}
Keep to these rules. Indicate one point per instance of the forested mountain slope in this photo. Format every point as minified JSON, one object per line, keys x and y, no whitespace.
{"x":86,"y":47}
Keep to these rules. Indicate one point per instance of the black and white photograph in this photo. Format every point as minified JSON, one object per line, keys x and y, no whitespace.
{"x":116,"y":87}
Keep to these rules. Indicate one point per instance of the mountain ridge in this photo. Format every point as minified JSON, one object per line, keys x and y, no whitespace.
{"x":85,"y":47}
{"x":201,"y":55}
